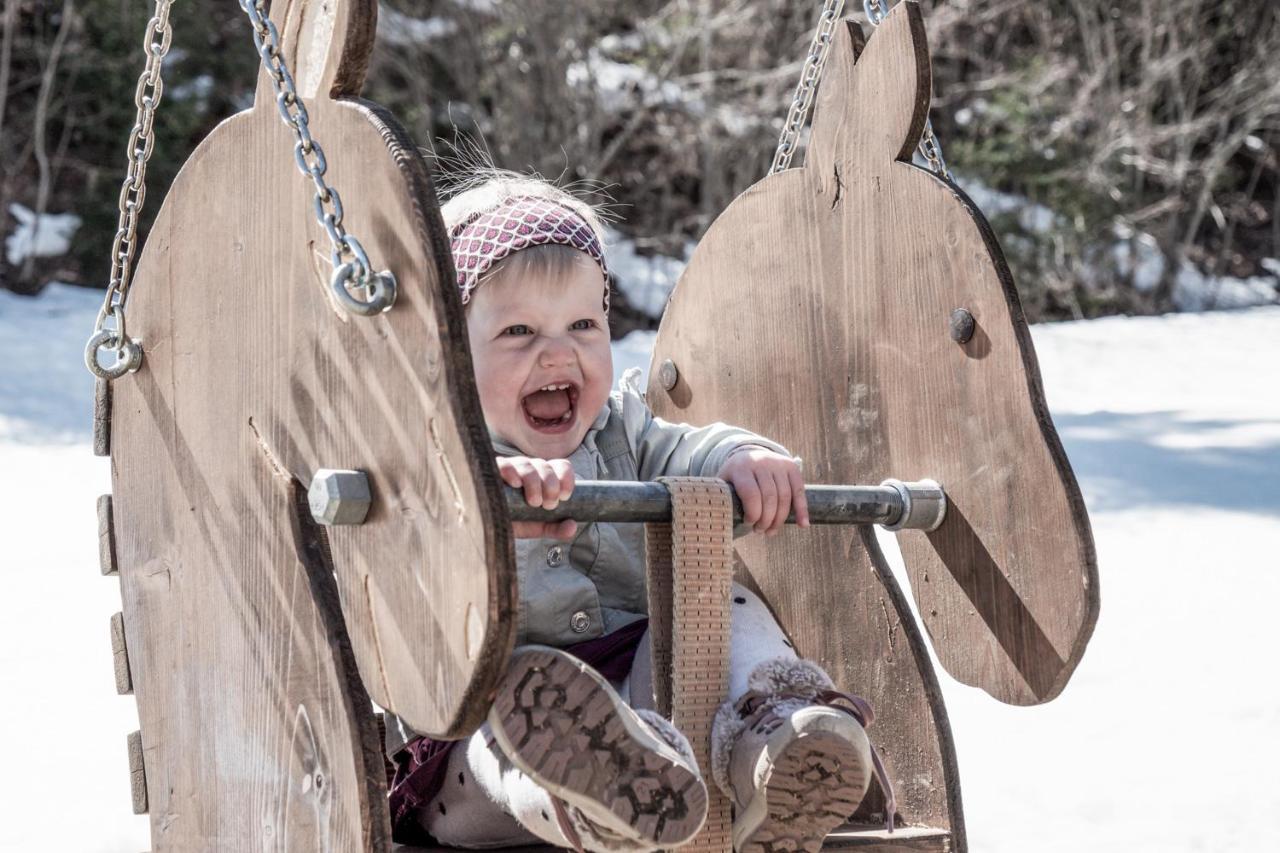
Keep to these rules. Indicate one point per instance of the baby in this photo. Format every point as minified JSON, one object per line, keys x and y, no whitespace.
{"x":573,"y":754}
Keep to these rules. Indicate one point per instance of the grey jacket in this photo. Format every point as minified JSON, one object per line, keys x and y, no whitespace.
{"x":579,"y":590}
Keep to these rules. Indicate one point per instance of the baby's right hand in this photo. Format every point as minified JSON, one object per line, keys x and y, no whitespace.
{"x":545,"y":482}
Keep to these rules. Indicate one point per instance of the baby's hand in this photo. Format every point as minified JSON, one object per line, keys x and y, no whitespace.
{"x":769,"y":485}
{"x":546,"y":482}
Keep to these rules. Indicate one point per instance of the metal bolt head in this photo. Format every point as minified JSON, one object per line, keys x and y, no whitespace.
{"x":962,"y":326}
{"x":668,"y":375}
{"x":339,"y":497}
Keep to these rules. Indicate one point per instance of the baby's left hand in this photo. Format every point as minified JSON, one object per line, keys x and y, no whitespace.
{"x":769,"y":485}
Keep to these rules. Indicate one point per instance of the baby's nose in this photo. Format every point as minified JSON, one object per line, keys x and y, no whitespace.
{"x":556,"y":352}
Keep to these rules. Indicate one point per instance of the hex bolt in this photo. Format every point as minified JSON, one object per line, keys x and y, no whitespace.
{"x":668,"y":375}
{"x":962,"y":326}
{"x":339,"y":497}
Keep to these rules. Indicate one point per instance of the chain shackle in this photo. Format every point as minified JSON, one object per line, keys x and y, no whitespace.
{"x":133,"y":193}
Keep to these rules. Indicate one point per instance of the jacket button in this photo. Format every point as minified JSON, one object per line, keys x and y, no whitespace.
{"x":555,"y":555}
{"x":580,"y":622}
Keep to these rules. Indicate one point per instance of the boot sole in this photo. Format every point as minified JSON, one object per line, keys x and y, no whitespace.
{"x":817,"y":781}
{"x":563,"y":725}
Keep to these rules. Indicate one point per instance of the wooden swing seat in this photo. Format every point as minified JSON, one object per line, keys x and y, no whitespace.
{"x":271,"y":634}
{"x":872,"y":839}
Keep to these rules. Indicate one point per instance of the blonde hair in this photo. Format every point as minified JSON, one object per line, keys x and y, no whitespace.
{"x":483,"y":189}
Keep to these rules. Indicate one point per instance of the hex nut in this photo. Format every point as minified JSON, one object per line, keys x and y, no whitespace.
{"x":339,"y":497}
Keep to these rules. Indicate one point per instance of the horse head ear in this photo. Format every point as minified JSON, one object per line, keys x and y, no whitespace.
{"x":873,"y":101}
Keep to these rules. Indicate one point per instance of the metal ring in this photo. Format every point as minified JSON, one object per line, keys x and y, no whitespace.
{"x":381,"y":288}
{"x":129,"y":360}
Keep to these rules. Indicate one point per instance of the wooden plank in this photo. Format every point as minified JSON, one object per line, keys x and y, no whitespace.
{"x":904,"y":839}
{"x":869,"y":256}
{"x":101,"y":417}
{"x":124,"y":680}
{"x":238,"y":610}
{"x":137,"y":773}
{"x":106,"y":537}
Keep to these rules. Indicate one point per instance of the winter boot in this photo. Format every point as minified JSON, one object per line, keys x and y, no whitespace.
{"x":792,"y":756}
{"x":621,"y":779}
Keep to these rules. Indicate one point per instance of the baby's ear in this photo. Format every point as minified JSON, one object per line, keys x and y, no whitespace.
{"x":874,"y":97}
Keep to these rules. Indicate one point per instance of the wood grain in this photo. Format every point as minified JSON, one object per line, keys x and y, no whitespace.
{"x":263,"y":628}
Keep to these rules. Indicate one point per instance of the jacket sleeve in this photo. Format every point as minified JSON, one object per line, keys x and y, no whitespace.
{"x":665,"y":449}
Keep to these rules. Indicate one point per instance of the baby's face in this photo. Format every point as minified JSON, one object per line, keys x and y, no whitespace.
{"x":543,"y":366}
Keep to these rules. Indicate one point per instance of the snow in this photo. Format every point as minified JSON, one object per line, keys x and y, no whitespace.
{"x":1164,"y":740}
{"x":646,"y":280}
{"x":44,"y":236}
{"x":399,"y":29}
{"x":1137,"y":254}
{"x":614,"y":81}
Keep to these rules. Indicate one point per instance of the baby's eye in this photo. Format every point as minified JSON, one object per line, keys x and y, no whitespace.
{"x":518,"y":329}
{"x":582,"y":325}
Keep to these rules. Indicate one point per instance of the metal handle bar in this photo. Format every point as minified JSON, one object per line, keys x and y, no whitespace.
{"x":896,"y":505}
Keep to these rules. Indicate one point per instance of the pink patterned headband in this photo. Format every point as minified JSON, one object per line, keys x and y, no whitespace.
{"x":518,"y":223}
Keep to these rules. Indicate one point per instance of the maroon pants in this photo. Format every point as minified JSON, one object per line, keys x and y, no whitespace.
{"x":420,"y":767}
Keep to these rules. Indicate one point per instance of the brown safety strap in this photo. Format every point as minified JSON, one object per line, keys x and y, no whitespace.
{"x":690,"y":572}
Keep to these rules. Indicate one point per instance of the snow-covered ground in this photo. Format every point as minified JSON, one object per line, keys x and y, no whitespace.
{"x":1165,"y":740}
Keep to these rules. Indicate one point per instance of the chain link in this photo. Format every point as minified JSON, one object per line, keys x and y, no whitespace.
{"x":930,"y":148}
{"x":133,"y":193}
{"x":798,"y":114}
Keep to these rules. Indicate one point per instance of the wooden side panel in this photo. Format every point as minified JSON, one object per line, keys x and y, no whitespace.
{"x":256,"y":638}
{"x":818,"y":306}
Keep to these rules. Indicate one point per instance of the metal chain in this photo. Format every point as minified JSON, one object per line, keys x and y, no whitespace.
{"x":809,"y":76}
{"x":380,"y":287}
{"x":351,"y":264}
{"x":128,"y":352}
{"x":930,"y":148}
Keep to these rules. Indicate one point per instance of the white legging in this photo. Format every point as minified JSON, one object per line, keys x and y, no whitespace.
{"x":485,"y":802}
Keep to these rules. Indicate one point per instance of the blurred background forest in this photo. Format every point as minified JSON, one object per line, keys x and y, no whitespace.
{"x":1128,"y":154}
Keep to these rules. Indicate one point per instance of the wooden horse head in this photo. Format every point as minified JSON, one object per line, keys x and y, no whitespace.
{"x":256,"y":730}
{"x":816,"y":311}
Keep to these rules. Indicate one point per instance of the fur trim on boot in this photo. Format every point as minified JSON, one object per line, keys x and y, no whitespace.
{"x":786,"y":684}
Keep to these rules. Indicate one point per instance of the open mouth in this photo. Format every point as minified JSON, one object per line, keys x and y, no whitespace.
{"x":551,"y":408}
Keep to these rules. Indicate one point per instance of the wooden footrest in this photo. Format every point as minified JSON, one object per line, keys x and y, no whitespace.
{"x":903,"y":839}
{"x":906,"y":839}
